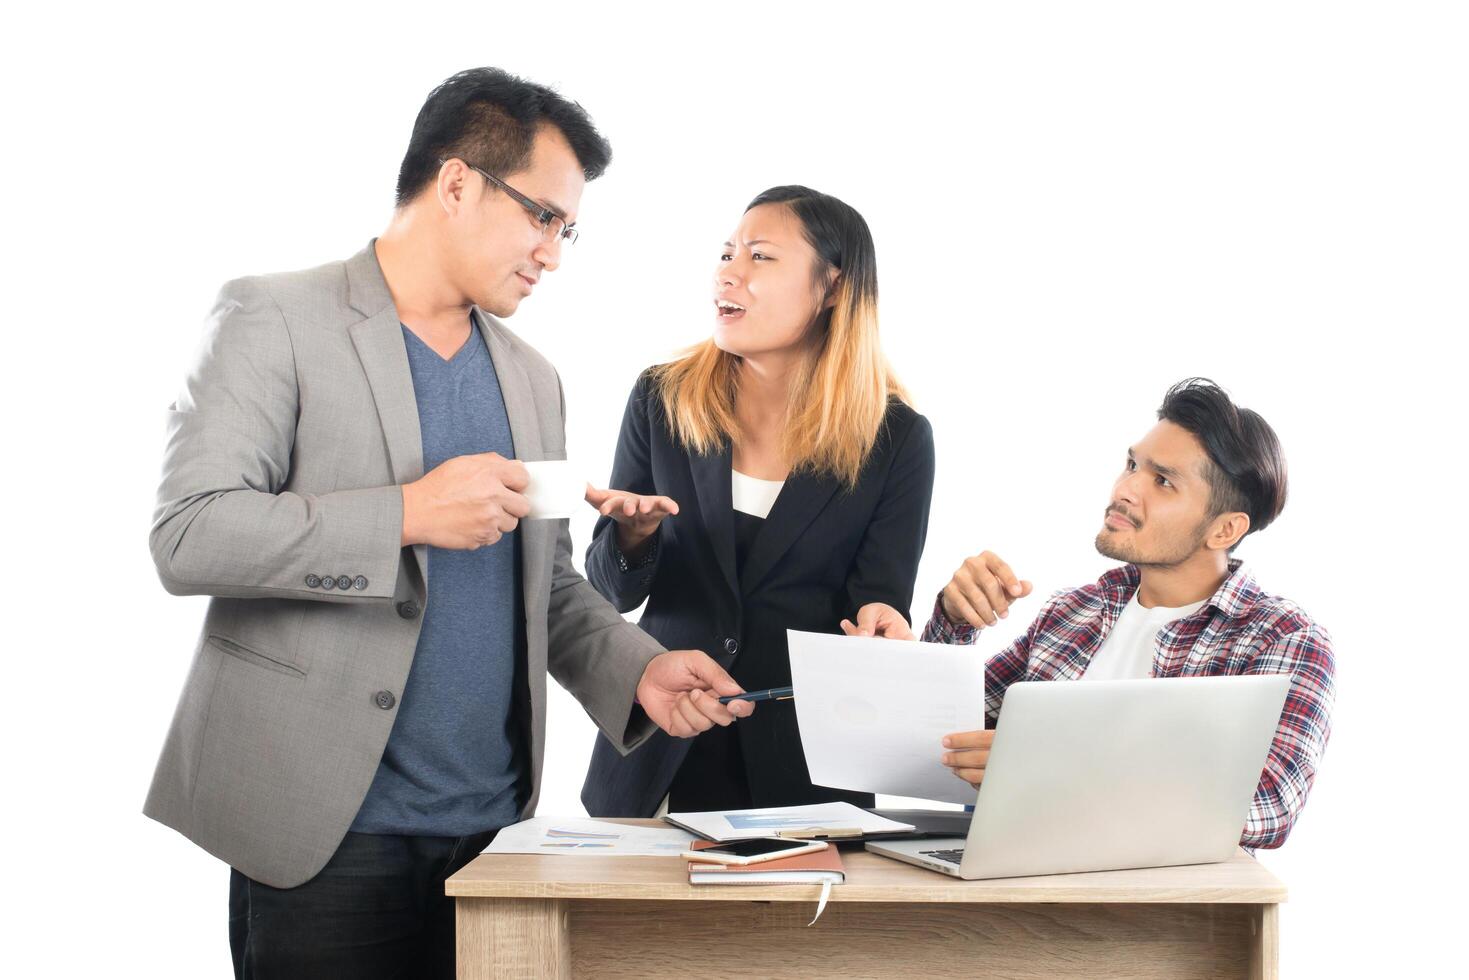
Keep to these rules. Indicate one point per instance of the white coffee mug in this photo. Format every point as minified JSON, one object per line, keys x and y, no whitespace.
{"x":556,"y":489}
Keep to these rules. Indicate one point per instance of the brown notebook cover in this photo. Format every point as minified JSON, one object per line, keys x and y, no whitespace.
{"x":829,"y":860}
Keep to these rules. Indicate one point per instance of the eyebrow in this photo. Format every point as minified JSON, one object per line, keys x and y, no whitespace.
{"x":753,"y":242}
{"x":558,"y":211}
{"x":1157,"y":467}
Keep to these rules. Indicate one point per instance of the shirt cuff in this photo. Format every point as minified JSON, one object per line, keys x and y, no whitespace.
{"x":941,"y":629}
{"x":623,"y":565}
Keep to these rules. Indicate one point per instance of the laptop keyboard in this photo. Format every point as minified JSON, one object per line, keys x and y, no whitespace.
{"x":954,"y":855}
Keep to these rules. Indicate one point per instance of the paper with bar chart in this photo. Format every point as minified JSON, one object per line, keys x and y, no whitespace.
{"x":581,"y":837}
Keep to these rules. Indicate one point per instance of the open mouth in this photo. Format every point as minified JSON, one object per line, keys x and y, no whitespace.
{"x":728,"y":310}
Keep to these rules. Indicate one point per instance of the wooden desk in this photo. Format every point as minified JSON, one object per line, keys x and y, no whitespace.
{"x":558,"y":916}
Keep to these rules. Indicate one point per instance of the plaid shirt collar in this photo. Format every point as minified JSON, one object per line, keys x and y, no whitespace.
{"x":1235,"y":598}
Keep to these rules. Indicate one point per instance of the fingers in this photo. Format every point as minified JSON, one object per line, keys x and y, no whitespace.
{"x":709,"y":707}
{"x":1007,"y":578}
{"x":981,"y":739}
{"x":987,"y":586}
{"x":960,"y":608}
{"x":741,"y":709}
{"x":972,"y":759}
{"x":849,"y":628}
{"x":896,"y":629}
{"x":969,"y":755}
{"x":983,"y":590}
{"x":711,"y":675}
{"x":515,"y":504}
{"x":691,"y":717}
{"x":971,"y":776}
{"x":698,"y":711}
{"x":596,"y":497}
{"x":511,"y":472}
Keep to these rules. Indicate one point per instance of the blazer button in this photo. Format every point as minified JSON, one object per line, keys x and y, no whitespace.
{"x":408,"y":609}
{"x":359,"y":583}
{"x":327,"y":582}
{"x":731,"y":646}
{"x":344,"y":582}
{"x":313,"y":581}
{"x":384,"y":699}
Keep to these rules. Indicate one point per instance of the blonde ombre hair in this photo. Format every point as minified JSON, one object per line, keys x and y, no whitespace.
{"x":840,"y":392}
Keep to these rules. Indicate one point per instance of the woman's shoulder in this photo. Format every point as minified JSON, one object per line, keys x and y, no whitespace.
{"x":903,"y":420}
{"x":647,"y":395}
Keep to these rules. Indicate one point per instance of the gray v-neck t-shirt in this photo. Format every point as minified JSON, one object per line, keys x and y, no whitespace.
{"x":453,"y":763}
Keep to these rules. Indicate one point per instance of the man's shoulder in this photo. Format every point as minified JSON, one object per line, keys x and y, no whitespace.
{"x":311,"y":294}
{"x":1266,"y":612}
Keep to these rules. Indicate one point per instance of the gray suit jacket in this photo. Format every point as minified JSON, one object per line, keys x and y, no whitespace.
{"x":280,"y":499}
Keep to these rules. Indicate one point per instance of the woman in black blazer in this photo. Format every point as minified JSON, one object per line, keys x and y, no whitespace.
{"x":772,"y":478}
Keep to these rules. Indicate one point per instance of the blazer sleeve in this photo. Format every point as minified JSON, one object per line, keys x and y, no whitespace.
{"x":223,"y":526}
{"x":886,"y":564}
{"x":594,"y":653}
{"x":632,"y":470}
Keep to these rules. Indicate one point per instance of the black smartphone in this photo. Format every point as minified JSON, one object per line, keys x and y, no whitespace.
{"x":755,"y":850}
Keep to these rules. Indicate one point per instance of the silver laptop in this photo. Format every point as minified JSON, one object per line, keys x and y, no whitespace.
{"x":1103,"y":775}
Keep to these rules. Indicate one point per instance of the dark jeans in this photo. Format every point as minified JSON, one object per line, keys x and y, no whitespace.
{"x":377,"y":909}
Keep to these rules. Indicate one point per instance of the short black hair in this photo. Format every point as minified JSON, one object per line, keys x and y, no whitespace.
{"x":1246,"y":469}
{"x":488,"y":117}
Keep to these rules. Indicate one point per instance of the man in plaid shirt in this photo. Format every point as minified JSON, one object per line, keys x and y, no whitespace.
{"x":1205,"y":476}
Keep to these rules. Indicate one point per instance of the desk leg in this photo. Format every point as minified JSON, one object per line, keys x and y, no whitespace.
{"x":1265,"y":953}
{"x":510,"y":937}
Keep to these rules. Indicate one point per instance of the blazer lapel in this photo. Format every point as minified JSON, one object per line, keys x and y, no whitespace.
{"x":800,"y":500}
{"x":712,"y":477}
{"x":537,"y":538}
{"x":379,"y":343}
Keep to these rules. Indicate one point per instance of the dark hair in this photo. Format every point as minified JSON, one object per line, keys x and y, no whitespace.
{"x":1246,"y":469}
{"x":488,"y":117}
{"x":837,"y":232}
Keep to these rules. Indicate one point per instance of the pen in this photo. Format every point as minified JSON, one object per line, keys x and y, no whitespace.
{"x":770,"y":694}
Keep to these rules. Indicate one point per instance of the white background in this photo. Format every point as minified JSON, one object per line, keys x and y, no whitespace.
{"x":1074,"y":206}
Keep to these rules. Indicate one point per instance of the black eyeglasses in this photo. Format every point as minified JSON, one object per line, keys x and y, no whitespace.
{"x":553,"y":226}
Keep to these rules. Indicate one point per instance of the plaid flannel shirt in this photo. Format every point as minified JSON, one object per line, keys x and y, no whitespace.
{"x":1239,"y":630}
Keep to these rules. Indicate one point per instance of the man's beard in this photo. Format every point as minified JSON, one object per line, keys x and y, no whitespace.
{"x":1172,"y":557}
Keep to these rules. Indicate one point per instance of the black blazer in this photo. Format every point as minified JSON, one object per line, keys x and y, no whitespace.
{"x":822,"y":554}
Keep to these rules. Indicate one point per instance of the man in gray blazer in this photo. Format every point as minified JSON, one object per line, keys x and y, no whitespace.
{"x":367,"y":702}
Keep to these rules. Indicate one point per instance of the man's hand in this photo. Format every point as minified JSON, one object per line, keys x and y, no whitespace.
{"x":466,"y":502}
{"x":637,"y":516}
{"x":680,"y":691}
{"x":878,"y":619}
{"x":967,"y":754}
{"x":981,"y":591}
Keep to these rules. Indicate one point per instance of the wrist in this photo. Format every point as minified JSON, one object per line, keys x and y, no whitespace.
{"x":411,"y":535}
{"x":633,"y":545}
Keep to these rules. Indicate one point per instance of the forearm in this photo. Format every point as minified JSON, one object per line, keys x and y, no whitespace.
{"x":595,"y":654}
{"x":250,"y":544}
{"x":625,"y":583}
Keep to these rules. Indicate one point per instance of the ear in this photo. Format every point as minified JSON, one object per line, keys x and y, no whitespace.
{"x":833,"y":288}
{"x":452,"y":185}
{"x":1227,"y":531}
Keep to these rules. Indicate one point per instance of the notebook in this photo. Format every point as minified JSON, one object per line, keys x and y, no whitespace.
{"x":814,"y":868}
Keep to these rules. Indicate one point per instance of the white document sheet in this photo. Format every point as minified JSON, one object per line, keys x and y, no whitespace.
{"x":588,"y":838}
{"x":770,"y":821}
{"x":873,"y":712}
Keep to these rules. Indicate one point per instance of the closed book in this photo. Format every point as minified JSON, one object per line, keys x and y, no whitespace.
{"x":813,"y":868}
